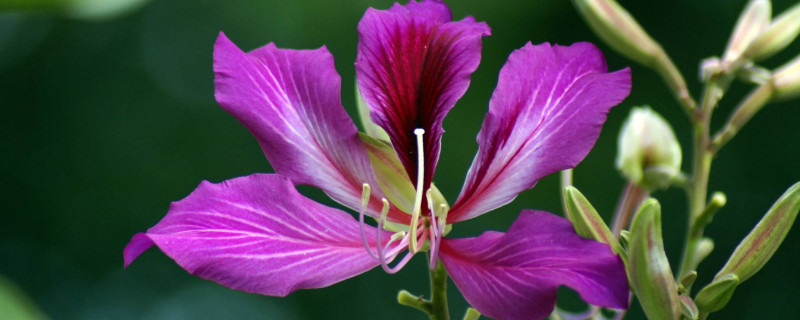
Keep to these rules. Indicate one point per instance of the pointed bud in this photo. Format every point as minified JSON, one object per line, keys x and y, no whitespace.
{"x":586,"y":221}
{"x":688,"y":279}
{"x":651,"y":276}
{"x":780,"y":33}
{"x":759,"y":246}
{"x":648,"y":152}
{"x":786,"y":80}
{"x":689,"y":309}
{"x":717,"y":294}
{"x":612,"y":23}
{"x":704,"y":248}
{"x":753,"y":20}
{"x":619,"y":29}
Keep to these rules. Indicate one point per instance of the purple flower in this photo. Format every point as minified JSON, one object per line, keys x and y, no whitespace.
{"x":258,"y":234}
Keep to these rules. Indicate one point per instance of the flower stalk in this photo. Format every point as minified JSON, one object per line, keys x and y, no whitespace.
{"x":439,"y":293}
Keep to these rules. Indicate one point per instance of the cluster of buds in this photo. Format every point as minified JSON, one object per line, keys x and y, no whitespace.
{"x":649,"y":157}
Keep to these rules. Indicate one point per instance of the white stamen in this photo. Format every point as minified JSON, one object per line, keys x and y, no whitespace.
{"x":385,"y":253}
{"x":365,"y":195}
{"x":414,"y":247}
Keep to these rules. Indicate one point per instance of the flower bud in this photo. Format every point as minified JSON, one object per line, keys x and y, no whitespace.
{"x":759,"y":246}
{"x":648,"y":152}
{"x":780,"y":33}
{"x":786,"y":80}
{"x":717,"y":294}
{"x":612,"y":23}
{"x":753,"y":20}
{"x":651,"y":276}
{"x":704,"y":248}
{"x":619,"y":30}
{"x":689,"y":309}
{"x":688,"y":279}
{"x":586,"y":221}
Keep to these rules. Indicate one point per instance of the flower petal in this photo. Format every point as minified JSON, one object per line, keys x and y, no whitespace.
{"x":544,"y":116}
{"x":290,"y":101}
{"x":413,"y":65}
{"x":516,"y":275}
{"x":258,"y":234}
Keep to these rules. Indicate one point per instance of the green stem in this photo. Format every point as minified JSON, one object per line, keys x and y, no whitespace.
{"x":701,"y":166}
{"x":436,"y":308}
{"x":439,"y":293}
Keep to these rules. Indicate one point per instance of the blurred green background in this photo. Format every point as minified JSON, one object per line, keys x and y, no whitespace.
{"x":105,"y":118}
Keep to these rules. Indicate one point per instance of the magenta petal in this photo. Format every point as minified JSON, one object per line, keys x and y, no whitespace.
{"x":413,"y":65}
{"x":515,"y":275}
{"x":290,"y":101}
{"x":138,"y":245}
{"x":258,"y":234}
{"x":544,"y":116}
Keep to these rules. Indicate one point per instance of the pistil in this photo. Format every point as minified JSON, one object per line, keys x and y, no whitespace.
{"x":414,"y":247}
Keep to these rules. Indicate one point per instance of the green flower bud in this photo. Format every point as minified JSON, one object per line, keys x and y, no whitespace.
{"x":704,"y":248}
{"x":762,"y":242}
{"x":717,"y":294}
{"x":586,"y":221}
{"x":786,"y":80}
{"x":619,"y":30}
{"x":780,"y":33}
{"x":689,"y":309}
{"x":648,"y":152}
{"x":753,"y":20}
{"x":612,"y":23}
{"x":651,"y":276}
{"x":688,"y":279}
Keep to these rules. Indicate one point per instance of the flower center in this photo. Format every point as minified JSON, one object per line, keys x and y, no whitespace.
{"x":421,"y":228}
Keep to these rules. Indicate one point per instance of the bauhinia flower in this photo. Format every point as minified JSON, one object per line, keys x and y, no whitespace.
{"x":258,"y":234}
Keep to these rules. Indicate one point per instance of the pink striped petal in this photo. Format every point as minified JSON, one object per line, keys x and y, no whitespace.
{"x":515,"y":275}
{"x":413,"y":64}
{"x":544,"y":116}
{"x":290,"y":101}
{"x":258,"y":234}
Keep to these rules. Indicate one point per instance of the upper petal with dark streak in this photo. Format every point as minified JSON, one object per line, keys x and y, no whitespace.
{"x":413,"y":65}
